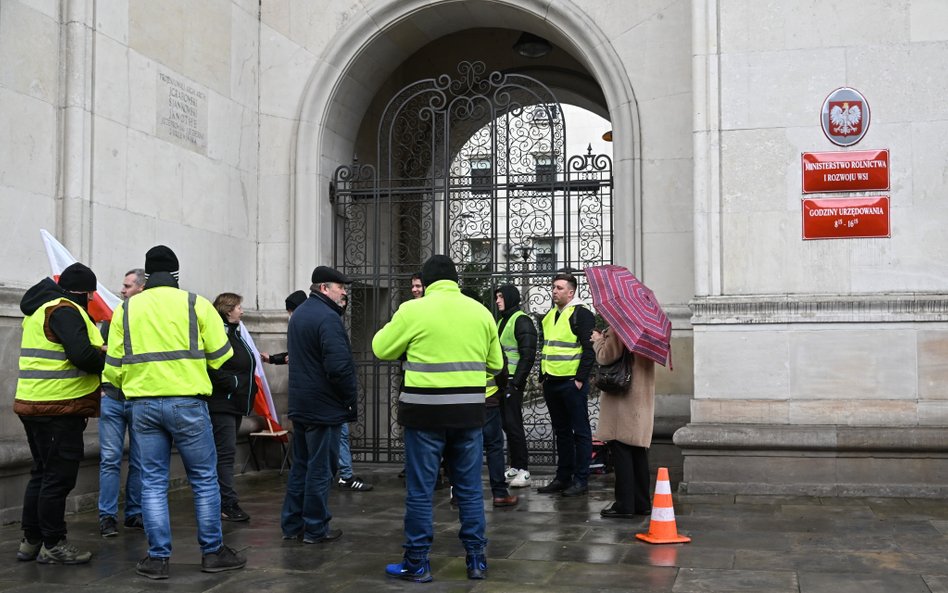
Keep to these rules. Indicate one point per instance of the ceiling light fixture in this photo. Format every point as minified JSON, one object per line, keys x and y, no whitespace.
{"x":532,"y":46}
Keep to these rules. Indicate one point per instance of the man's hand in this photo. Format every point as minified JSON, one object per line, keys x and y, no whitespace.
{"x":579,"y":384}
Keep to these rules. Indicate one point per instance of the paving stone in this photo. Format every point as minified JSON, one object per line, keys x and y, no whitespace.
{"x":546,"y":544}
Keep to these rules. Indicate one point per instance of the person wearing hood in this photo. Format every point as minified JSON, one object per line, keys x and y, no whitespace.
{"x":58,"y":389}
{"x":450,"y":346}
{"x":566,"y":361}
{"x":234,"y":389}
{"x":518,"y":338}
{"x":161,"y":344}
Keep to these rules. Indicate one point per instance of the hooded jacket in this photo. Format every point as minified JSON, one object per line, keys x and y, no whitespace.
{"x":524,"y":332}
{"x":322,"y":385}
{"x":64,"y":325}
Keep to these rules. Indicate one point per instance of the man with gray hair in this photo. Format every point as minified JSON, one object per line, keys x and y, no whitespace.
{"x":115,"y":420}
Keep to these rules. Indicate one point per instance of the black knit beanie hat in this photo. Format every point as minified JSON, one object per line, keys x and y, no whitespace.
{"x":77,"y":278}
{"x":438,"y":267}
{"x":161,"y":259}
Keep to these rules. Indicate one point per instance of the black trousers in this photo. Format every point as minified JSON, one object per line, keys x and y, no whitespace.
{"x":511,"y":415}
{"x":57,"y":449}
{"x":225,"y":441}
{"x":632,"y":478}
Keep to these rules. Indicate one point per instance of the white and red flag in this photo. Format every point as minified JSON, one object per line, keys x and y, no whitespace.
{"x":263,"y":403}
{"x":103,"y":301}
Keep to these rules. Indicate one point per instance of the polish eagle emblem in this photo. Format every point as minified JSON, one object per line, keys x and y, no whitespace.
{"x":845,"y":119}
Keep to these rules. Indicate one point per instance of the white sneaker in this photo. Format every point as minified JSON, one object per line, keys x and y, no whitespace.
{"x":511,"y":473}
{"x":522,"y":480}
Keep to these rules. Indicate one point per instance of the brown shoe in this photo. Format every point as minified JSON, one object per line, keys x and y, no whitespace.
{"x":506,"y":501}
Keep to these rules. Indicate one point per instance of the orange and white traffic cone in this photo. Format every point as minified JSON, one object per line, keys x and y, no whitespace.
{"x":662,"y":529}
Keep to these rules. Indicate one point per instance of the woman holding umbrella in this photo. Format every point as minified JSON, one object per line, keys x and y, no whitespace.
{"x":639,"y":327}
{"x":626,"y":420}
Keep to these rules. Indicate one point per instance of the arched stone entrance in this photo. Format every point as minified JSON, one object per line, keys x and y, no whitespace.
{"x":407,"y":41}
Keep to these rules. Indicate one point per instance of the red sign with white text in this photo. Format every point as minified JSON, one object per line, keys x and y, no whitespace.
{"x":846,"y":218}
{"x":859,"y":170}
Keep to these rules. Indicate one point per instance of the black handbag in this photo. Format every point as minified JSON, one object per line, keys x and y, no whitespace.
{"x":615,"y":377}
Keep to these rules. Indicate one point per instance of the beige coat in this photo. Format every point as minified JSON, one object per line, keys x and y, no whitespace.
{"x":627,"y":417}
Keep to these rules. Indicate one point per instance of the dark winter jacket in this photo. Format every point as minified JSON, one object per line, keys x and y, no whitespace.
{"x":322,"y":379}
{"x":233,"y":383}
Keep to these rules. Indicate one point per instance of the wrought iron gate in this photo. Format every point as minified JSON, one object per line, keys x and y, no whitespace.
{"x":475,"y":167}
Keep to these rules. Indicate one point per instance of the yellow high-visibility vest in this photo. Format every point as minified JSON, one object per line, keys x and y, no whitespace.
{"x":561,"y":348}
{"x":45,"y":372}
{"x":161,"y":342}
{"x":508,"y":342}
{"x":465,"y":350}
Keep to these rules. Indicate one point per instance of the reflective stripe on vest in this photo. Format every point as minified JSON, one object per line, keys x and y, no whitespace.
{"x":561,"y":349}
{"x":443,"y":367}
{"x":440,"y":398}
{"x":491,"y":385}
{"x":45,"y":373}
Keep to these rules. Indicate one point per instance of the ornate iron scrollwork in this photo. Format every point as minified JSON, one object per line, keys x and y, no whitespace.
{"x":473,"y":166}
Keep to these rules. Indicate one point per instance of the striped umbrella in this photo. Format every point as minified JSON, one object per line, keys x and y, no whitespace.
{"x":632,"y":311}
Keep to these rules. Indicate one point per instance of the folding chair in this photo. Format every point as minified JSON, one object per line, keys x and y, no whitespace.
{"x":281,"y":435}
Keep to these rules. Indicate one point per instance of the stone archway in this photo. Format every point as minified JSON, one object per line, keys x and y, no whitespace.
{"x":365,"y":53}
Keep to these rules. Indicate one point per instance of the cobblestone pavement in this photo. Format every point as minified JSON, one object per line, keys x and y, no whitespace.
{"x":759,"y":544}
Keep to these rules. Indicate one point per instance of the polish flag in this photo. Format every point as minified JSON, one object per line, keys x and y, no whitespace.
{"x":263,"y":403}
{"x":103,"y":301}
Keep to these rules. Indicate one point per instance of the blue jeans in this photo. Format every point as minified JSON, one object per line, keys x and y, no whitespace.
{"x":315,"y":462}
{"x":115,"y":418}
{"x":345,"y":454}
{"x":493,"y":432}
{"x":569,"y":415}
{"x":463,"y":450}
{"x":183,"y":421}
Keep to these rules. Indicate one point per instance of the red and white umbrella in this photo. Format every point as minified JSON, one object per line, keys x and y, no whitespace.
{"x":632,"y":311}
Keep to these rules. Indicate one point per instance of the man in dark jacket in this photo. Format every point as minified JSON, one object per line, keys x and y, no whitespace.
{"x":518,"y":338}
{"x":61,"y":359}
{"x":322,"y":397}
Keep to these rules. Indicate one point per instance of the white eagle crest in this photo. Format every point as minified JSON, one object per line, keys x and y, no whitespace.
{"x":845,"y":119}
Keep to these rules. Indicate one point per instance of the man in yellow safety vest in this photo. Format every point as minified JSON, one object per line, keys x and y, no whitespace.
{"x":566,"y":361}
{"x":57,"y":391}
{"x":161,"y":343}
{"x":450,"y":345}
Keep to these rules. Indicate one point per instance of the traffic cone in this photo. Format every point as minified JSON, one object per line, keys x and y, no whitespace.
{"x":662,"y":528}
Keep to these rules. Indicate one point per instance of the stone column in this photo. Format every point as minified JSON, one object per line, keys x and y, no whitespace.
{"x":74,"y":217}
